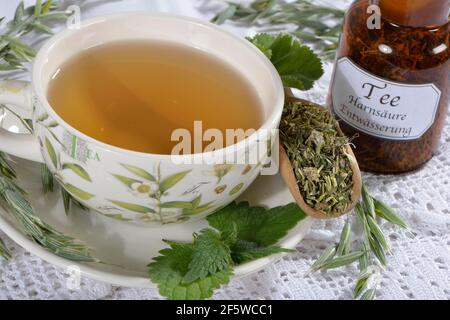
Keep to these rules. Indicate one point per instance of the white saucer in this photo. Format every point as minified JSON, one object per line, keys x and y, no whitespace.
{"x":127,"y":245}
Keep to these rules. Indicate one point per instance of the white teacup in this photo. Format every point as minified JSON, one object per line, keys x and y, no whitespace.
{"x":129,"y":185}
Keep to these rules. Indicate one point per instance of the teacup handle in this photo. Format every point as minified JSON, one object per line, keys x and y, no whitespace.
{"x":17,"y":95}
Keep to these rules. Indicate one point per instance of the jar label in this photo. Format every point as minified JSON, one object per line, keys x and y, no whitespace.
{"x":383,"y":108}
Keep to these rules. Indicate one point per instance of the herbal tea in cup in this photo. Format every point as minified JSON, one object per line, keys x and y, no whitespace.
{"x":135,"y":94}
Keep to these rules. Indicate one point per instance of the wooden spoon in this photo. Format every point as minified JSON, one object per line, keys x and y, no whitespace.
{"x":287,"y":172}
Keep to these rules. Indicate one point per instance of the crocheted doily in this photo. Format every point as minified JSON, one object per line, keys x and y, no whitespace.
{"x":418,"y":266}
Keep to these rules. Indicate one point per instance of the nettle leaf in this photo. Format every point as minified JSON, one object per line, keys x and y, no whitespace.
{"x":139,"y":172}
{"x":262,"y":226}
{"x":78,"y":170}
{"x":51,"y":152}
{"x":263,"y":42}
{"x":210,"y":255}
{"x":172,"y":180}
{"x":245,"y":251}
{"x":297,"y":64}
{"x":169,"y":269}
{"x":126,"y":181}
{"x":77,"y":192}
{"x":133,"y":207}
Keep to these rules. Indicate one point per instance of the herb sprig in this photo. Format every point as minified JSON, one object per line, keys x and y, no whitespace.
{"x":304,"y":17}
{"x":4,"y":252}
{"x":13,"y":198}
{"x":239,"y":233}
{"x":370,"y":252}
{"x":14,"y":53}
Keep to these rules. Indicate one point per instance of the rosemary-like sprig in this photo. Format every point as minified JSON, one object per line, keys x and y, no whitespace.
{"x":13,"y":199}
{"x":14,"y":53}
{"x":371,"y":251}
{"x":4,"y":252}
{"x":304,"y":18}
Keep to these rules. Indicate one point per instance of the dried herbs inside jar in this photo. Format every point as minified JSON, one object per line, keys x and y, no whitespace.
{"x":316,"y":148}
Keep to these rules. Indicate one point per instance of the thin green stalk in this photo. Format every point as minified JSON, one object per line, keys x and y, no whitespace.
{"x":4,"y":252}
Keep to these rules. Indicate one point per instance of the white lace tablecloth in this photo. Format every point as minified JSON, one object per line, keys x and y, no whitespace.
{"x":419,"y":267}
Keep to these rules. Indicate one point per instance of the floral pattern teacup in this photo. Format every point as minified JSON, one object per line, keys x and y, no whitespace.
{"x":128,"y":185}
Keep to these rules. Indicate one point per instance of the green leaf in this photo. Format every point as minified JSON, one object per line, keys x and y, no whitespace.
{"x":38,"y":8}
{"x":53,"y":16}
{"x":4,"y":252}
{"x":172,"y":180}
{"x":177,"y":205}
{"x":377,"y":250}
{"x":225,"y":15}
{"x":209,"y":256}
{"x":126,"y":181}
{"x":118,"y":217}
{"x":77,"y":192}
{"x":361,"y":282}
{"x":42,"y":117}
{"x":169,"y":269}
{"x":236,"y":189}
{"x":198,"y":210}
{"x":377,"y":233}
{"x":243,"y":251}
{"x":327,"y":255}
{"x":196,"y":202}
{"x":133,"y":207}
{"x":368,"y":202}
{"x":19,"y":13}
{"x":297,"y":64}
{"x":47,"y":179}
{"x":263,"y":42}
{"x":38,"y":26}
{"x":262,"y":226}
{"x":342,"y":260}
{"x":369,"y":295}
{"x":53,"y":124}
{"x":7,"y":67}
{"x":140,"y":172}
{"x":46,"y":6}
{"x":385,"y":212}
{"x":66,"y":200}
{"x":229,"y":236}
{"x":344,"y":243}
{"x":51,"y":152}
{"x":78,"y":170}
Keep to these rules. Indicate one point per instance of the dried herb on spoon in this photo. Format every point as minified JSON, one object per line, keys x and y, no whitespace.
{"x":316,"y":150}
